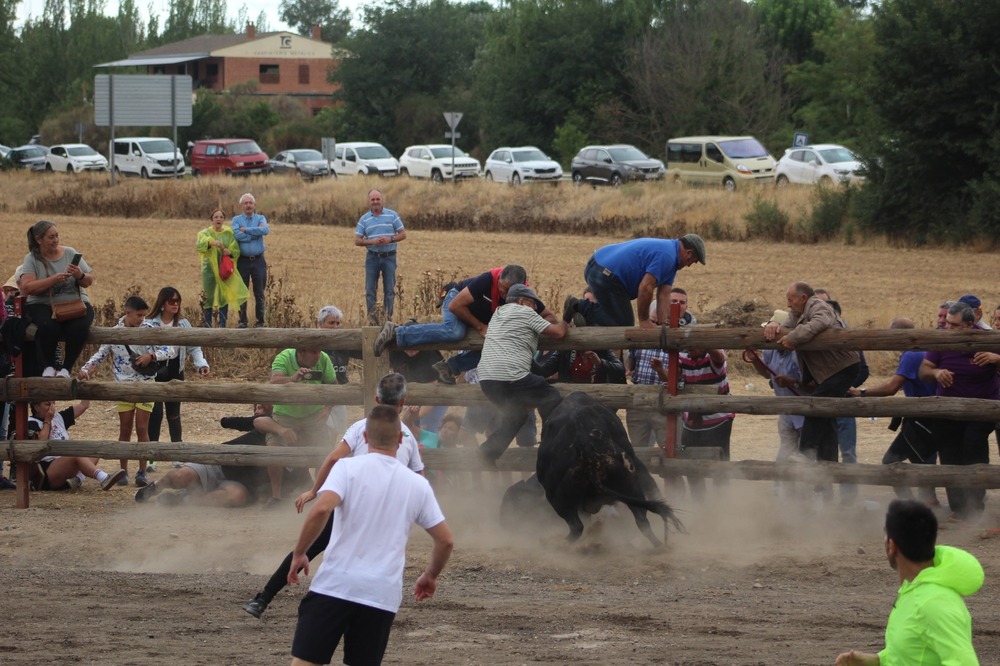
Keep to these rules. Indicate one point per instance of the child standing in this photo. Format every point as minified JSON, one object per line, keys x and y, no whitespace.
{"x":127,"y":361}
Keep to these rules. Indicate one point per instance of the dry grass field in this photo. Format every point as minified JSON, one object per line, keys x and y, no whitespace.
{"x":94,"y":578}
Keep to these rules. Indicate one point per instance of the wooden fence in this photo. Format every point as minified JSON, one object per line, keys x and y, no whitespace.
{"x":616,"y":396}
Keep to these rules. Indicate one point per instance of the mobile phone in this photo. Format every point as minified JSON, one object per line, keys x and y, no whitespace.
{"x":76,"y":259}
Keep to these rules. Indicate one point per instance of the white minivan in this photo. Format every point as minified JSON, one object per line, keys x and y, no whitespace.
{"x":148,"y":157}
{"x":361,"y":158}
{"x":719,"y":160}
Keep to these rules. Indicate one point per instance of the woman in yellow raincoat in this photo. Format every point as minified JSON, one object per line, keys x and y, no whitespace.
{"x":213,"y":243}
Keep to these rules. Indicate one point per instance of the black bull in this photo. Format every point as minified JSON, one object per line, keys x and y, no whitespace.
{"x":585,"y":461}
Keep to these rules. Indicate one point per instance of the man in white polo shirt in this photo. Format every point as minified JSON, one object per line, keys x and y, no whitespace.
{"x":359,"y":586}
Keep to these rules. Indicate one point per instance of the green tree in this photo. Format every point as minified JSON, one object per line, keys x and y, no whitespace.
{"x":791,"y":24}
{"x":334,"y":22}
{"x":935,"y":90}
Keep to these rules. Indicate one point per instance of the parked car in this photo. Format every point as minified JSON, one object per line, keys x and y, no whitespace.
{"x":522,"y":164}
{"x":232,"y":157}
{"x":74,"y":158}
{"x":614,"y":165}
{"x":434,"y":161}
{"x":824,"y":163}
{"x":719,"y":160}
{"x":29,"y":157}
{"x":147,"y":156}
{"x":4,"y":151}
{"x":364,"y":158}
{"x":308,"y":163}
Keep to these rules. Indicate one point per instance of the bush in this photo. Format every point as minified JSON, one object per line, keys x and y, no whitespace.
{"x":830,"y":211}
{"x":766,"y":221}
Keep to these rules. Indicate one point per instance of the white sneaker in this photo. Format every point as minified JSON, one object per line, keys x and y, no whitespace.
{"x":49,"y":372}
{"x":63,"y":373}
{"x":74,"y":483}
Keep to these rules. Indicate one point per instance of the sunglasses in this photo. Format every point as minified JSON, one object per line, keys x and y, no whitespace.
{"x":174,"y":301}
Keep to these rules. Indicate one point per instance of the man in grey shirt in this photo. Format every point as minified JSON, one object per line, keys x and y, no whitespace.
{"x":505,"y":369}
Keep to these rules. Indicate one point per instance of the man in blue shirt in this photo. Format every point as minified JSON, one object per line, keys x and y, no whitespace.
{"x":642,"y":270}
{"x":250,"y":229}
{"x":379,"y":231}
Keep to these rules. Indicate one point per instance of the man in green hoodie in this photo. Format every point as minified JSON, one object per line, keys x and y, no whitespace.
{"x":929,"y":623}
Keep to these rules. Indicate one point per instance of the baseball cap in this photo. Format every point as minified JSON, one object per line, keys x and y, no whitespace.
{"x":524,"y":291}
{"x":970,"y":300}
{"x":778,"y":317}
{"x":695,"y":242}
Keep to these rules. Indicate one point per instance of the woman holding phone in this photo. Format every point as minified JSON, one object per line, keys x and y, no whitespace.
{"x":214,"y":243}
{"x":55,"y":274}
{"x":167,"y":312}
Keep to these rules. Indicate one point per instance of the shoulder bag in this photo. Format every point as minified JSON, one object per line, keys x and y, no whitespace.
{"x":67,"y":310}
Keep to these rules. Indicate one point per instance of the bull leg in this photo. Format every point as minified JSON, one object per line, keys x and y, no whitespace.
{"x":642,"y":522}
{"x":571,"y":515}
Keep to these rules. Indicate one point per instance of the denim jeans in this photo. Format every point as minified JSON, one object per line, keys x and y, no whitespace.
{"x":223,"y":316}
{"x":376,"y":264}
{"x":451,"y":328}
{"x":514,"y":399}
{"x":847,"y":440}
{"x":256,"y":270}
{"x":614,"y":304}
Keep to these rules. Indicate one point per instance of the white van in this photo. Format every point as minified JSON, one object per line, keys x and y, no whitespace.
{"x":148,"y":157}
{"x":364,"y":158}
{"x":719,"y":160}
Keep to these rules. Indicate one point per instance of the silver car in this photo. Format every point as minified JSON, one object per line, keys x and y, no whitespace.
{"x":309,"y":164}
{"x":522,"y":165}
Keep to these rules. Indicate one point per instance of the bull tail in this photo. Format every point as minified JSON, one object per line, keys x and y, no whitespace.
{"x":659,"y":507}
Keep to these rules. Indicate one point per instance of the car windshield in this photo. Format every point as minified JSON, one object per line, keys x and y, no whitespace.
{"x":81,"y":151}
{"x":33,"y":151}
{"x":627,"y":154}
{"x":307,"y":155}
{"x":372,"y":153}
{"x":243,"y":148}
{"x":444,"y":152}
{"x":837,"y":155}
{"x":159,"y":146}
{"x":743,"y":148}
{"x":529,"y":155}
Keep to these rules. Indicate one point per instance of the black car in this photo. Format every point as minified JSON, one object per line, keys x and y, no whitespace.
{"x":613,"y":165}
{"x":307,"y":163}
{"x":29,"y":157}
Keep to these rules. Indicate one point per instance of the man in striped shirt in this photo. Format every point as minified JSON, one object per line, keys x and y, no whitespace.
{"x":505,"y":369}
{"x":379,"y":231}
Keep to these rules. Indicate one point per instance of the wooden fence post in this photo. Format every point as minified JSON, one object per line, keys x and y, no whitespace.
{"x":374,"y":366}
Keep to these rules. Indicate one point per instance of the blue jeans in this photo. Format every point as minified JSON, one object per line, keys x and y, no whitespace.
{"x":255,"y":270}
{"x":614,"y":304}
{"x":847,"y":440}
{"x":451,"y":328}
{"x":466,"y":360}
{"x":376,"y":264}
{"x":223,"y":316}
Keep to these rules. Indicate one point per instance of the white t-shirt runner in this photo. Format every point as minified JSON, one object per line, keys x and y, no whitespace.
{"x":408,"y":452}
{"x":381,"y":501}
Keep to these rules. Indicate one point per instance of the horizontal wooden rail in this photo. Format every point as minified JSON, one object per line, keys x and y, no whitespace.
{"x":523,"y":460}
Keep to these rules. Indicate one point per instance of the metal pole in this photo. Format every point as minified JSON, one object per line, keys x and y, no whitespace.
{"x":173,"y":119}
{"x":111,"y":118}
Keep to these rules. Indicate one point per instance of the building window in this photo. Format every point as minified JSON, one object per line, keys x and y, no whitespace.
{"x":303,"y":74}
{"x":269,"y":74}
{"x":211,"y":70}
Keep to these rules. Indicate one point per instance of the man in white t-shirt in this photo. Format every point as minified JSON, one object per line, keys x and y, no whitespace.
{"x":359,"y":586}
{"x":391,"y":391}
{"x":505,"y":369}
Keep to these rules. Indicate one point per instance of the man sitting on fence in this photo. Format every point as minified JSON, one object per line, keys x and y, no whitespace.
{"x":307,"y":422}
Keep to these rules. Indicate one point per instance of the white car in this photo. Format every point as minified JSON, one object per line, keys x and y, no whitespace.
{"x":825,"y":164}
{"x":364,"y":158}
{"x":521,"y":165}
{"x":74,"y":158}
{"x":434,"y":162}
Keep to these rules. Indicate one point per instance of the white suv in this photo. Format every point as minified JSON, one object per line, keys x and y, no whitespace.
{"x":74,"y":158}
{"x":523,"y":164}
{"x":362,"y":158}
{"x":435,"y":161}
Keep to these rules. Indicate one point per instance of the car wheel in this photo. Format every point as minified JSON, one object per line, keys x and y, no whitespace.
{"x":781,"y":181}
{"x":403,"y":171}
{"x":729,"y":184}
{"x":48,"y":167}
{"x":826,"y":181}
{"x":515,"y":178}
{"x":489,"y":176}
{"x":577,"y":178}
{"x":195,"y":173}
{"x":144,"y":173}
{"x":436,"y":177}
{"x":229,"y":172}
{"x":70,"y":169}
{"x":616,"y":180}
{"x":118,"y":172}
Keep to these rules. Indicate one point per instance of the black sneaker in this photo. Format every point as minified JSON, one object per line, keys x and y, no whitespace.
{"x":569,"y":308}
{"x":146,"y":492}
{"x":256,"y":606}
{"x":384,"y":338}
{"x":445,"y":375}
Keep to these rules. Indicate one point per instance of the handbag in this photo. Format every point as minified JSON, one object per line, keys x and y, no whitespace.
{"x":226,"y":267}
{"x":148,"y":370}
{"x":67,"y":310}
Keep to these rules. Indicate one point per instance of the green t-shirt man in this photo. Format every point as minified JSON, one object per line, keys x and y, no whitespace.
{"x":286,"y":368}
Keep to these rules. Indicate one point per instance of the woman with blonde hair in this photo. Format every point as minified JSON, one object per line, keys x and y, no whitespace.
{"x":221,"y":291}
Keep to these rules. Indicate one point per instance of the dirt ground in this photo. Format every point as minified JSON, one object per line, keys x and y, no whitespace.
{"x":94,"y":578}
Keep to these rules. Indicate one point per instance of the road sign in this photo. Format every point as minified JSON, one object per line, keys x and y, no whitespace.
{"x":453,"y":118}
{"x":329,"y":148}
{"x":801,"y":139}
{"x":453,"y":135}
{"x":142,"y":100}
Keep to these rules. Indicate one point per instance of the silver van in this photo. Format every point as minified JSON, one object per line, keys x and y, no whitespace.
{"x":148,"y":157}
{"x":729,"y":161}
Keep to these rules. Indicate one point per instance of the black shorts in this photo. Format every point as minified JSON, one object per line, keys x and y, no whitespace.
{"x":324,"y":619}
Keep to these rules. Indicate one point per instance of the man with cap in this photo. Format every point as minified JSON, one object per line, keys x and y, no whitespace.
{"x":977,"y":308}
{"x":505,"y":369}
{"x":642,"y":270}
